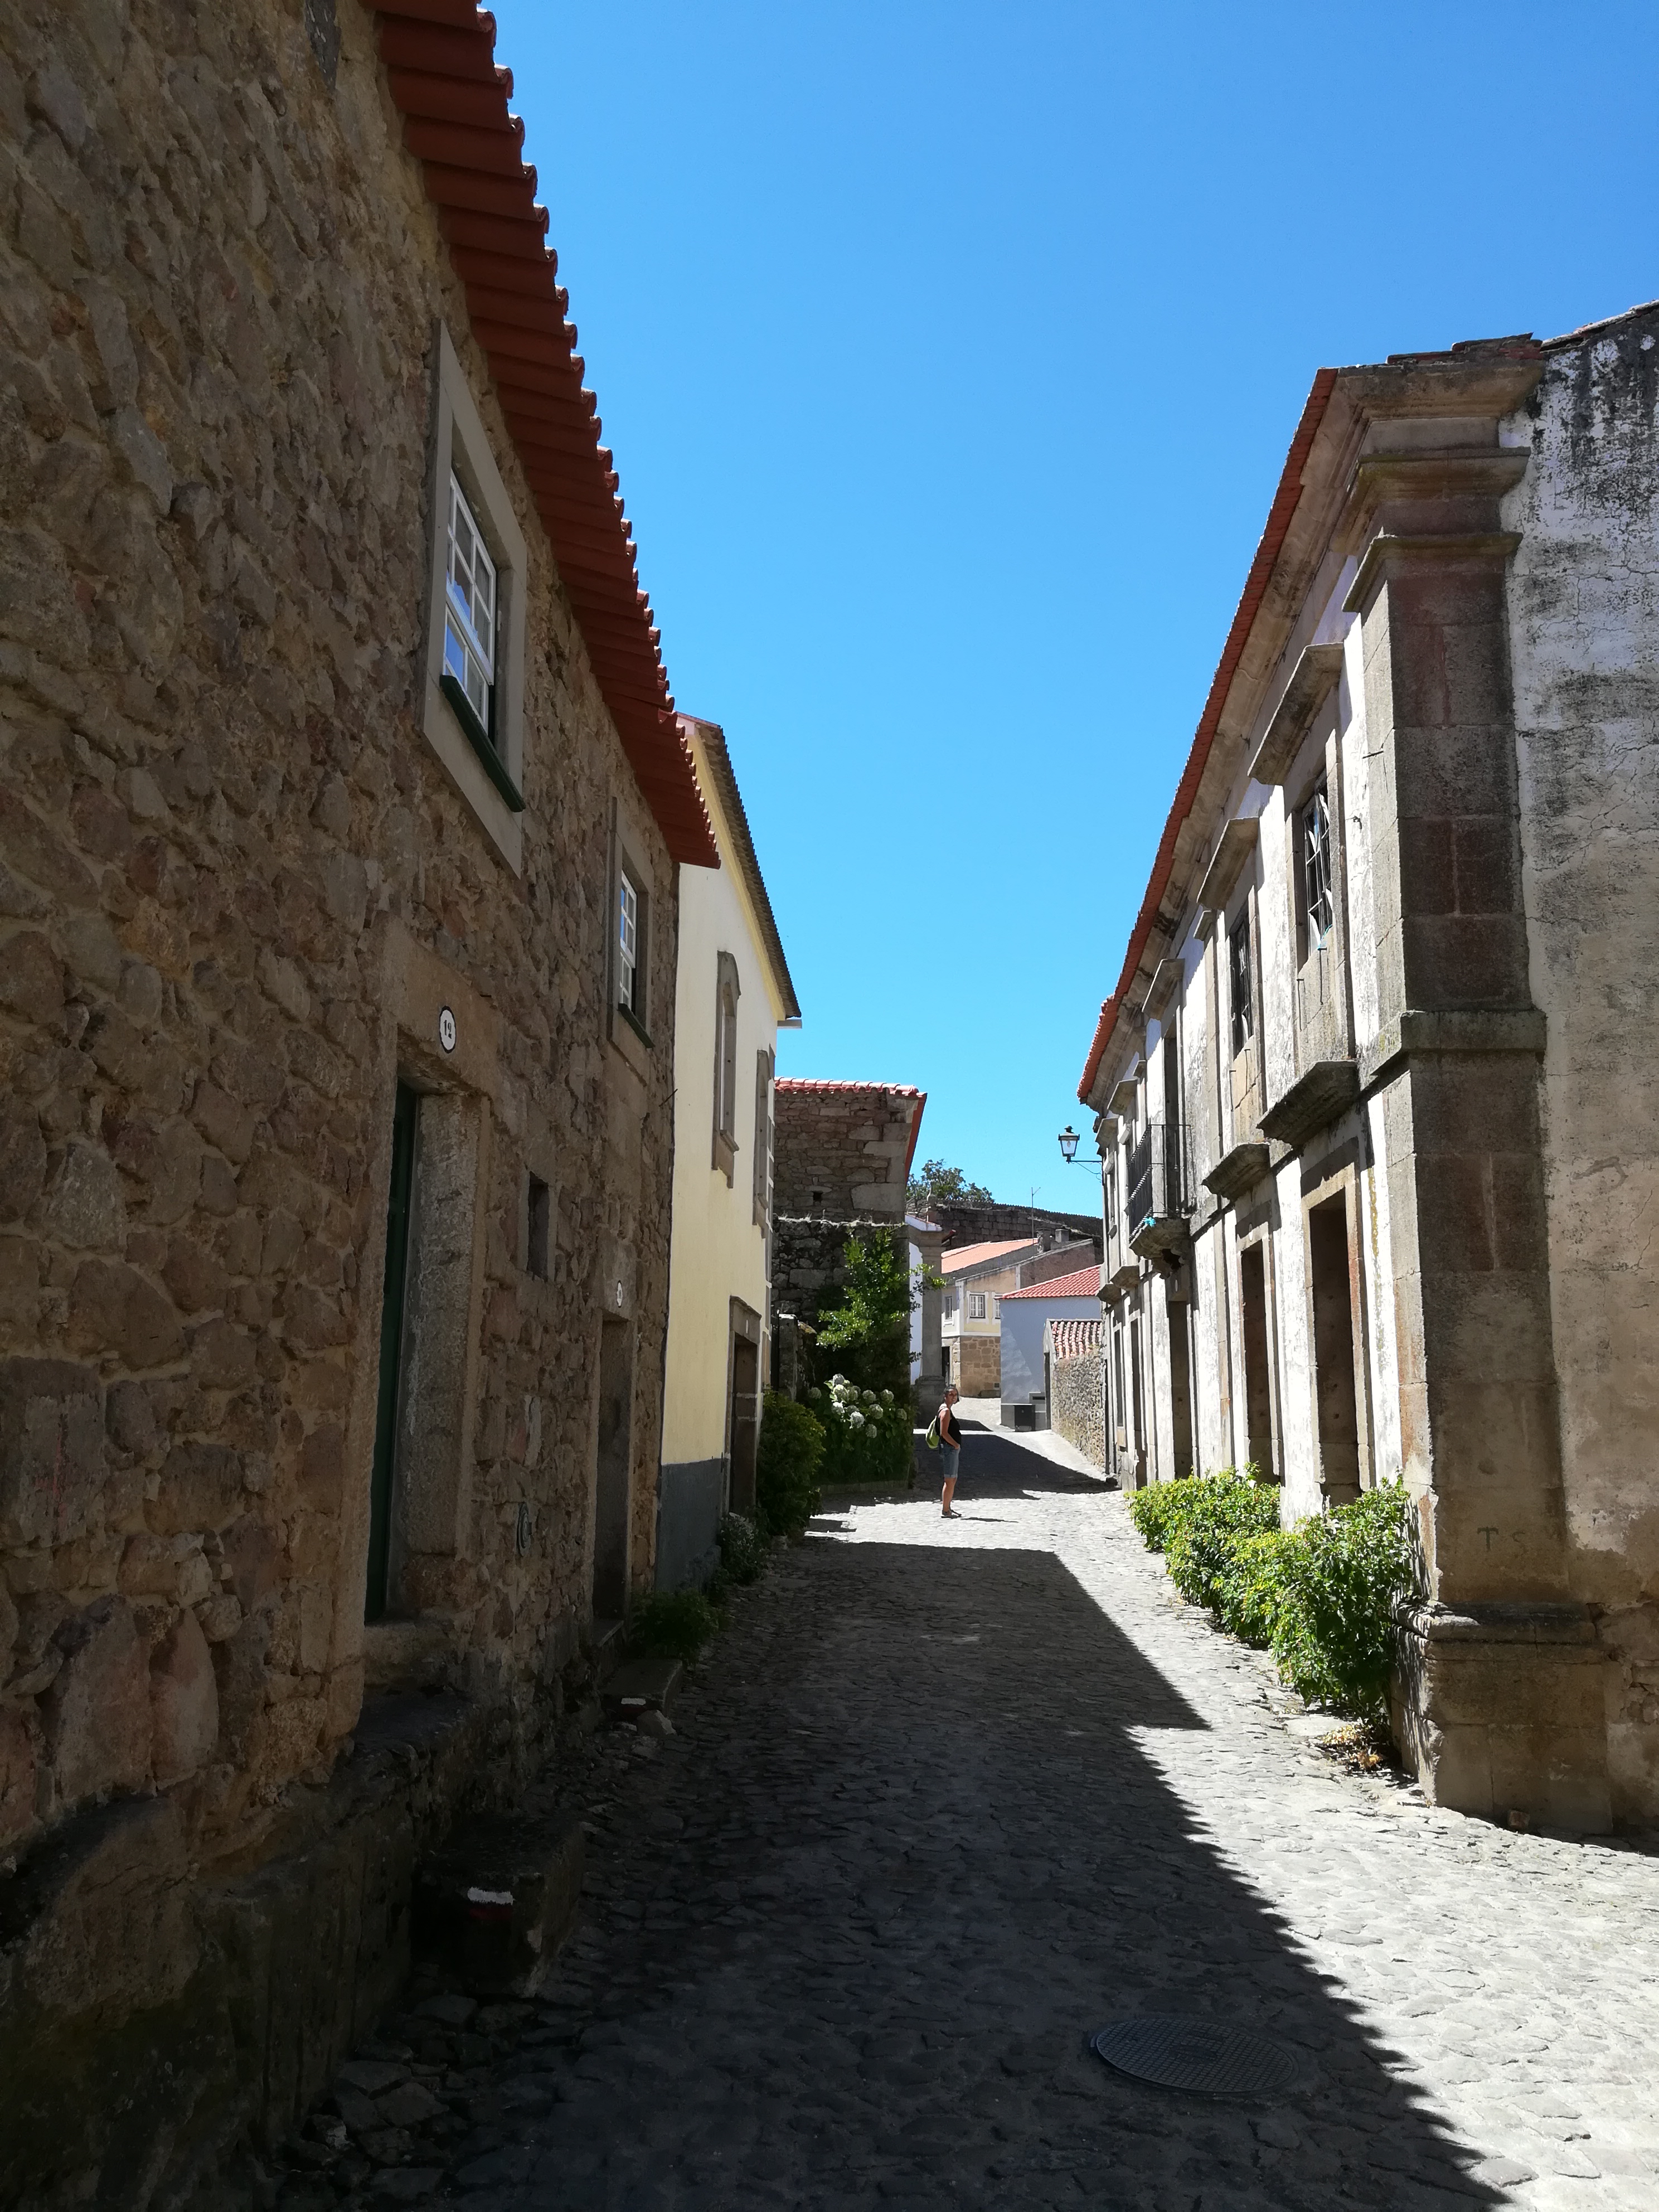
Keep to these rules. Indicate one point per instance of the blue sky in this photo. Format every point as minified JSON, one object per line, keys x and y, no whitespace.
{"x":949,"y":355}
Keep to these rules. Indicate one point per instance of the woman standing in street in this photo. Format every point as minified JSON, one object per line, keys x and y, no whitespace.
{"x":949,"y":1443}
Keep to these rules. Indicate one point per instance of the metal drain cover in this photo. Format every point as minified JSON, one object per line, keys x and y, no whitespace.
{"x":1195,"y":2054}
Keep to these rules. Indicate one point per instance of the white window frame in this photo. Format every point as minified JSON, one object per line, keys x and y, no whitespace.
{"x":976,"y":1305}
{"x":627,"y":941}
{"x":461,"y":455}
{"x":996,"y":1305}
{"x":470,"y":606}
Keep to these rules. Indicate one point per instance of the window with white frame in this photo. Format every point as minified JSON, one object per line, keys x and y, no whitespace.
{"x":996,"y":1306}
{"x":473,"y":654}
{"x":976,"y":1305}
{"x":470,"y":612}
{"x":948,"y":1304}
{"x":627,"y":944}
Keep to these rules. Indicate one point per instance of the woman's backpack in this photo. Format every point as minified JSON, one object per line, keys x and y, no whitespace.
{"x":932,"y":1434}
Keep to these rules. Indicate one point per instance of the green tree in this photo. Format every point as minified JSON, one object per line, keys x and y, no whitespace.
{"x":937,"y":1182}
{"x":867,"y":1335}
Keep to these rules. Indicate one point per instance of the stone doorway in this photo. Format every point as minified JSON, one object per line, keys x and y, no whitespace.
{"x":1336,"y":1403}
{"x":1180,"y":1388}
{"x":1258,"y":1368}
{"x":611,"y":1487}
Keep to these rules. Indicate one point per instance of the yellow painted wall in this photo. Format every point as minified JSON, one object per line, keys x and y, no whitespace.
{"x":716,"y":1252}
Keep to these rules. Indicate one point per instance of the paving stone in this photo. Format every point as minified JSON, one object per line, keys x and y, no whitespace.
{"x":844,"y":1940}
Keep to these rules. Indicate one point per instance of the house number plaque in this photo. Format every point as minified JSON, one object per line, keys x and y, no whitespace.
{"x":447,"y":1030}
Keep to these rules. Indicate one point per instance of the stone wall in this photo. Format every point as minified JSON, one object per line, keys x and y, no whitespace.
{"x":237,"y":892}
{"x":1584,"y":606}
{"x":992,"y":1224}
{"x":841,"y":1150}
{"x":806,"y":1261}
{"x":976,"y":1364}
{"x":1075,"y":1403}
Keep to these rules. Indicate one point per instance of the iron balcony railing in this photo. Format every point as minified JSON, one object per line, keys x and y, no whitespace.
{"x":1160,"y":1186}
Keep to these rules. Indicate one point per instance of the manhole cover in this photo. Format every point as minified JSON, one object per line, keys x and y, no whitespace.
{"x":1194,"y":2054}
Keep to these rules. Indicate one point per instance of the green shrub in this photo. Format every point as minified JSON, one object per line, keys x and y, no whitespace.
{"x":1217,"y":1512}
{"x":743,"y":1549}
{"x":1337,"y":1583}
{"x":1156,"y":1510}
{"x":674,"y":1623}
{"x":868,"y":1435}
{"x":1249,"y":1604}
{"x":787,"y":1463}
{"x":1322,"y":1595}
{"x":868,"y":1332}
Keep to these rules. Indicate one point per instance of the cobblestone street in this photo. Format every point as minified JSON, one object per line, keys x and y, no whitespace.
{"x":948,"y":1795}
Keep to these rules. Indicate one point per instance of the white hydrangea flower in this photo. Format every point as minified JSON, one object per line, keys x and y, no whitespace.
{"x":855,"y":1420}
{"x":886,"y":1397}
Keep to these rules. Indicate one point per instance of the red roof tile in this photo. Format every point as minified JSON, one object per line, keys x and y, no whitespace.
{"x":976,"y":1255}
{"x":440,"y":58}
{"x":879,"y":1090}
{"x":1072,"y":1339}
{"x":1085,"y":1284}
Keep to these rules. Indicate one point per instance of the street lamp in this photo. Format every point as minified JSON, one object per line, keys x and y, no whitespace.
{"x":1068,"y":1143}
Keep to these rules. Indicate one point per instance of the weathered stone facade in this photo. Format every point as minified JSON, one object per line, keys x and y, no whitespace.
{"x":1372,"y":1087}
{"x":1076,"y":1402}
{"x":243,"y":903}
{"x":841,"y":1156}
{"x":842,"y":1150}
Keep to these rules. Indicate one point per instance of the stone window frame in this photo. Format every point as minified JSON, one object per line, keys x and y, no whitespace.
{"x":626,"y":1027}
{"x":1238,"y":931}
{"x":487,"y":771}
{"x":728,"y":992}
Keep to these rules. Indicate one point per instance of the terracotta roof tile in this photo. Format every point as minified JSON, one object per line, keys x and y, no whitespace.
{"x":1085,"y":1284}
{"x":977,"y":1256}
{"x":440,"y":58}
{"x":1072,"y":1339}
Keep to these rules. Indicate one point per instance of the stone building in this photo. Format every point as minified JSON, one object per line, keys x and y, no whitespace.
{"x":734,"y":993}
{"x":842,"y":1155}
{"x":341,"y":810}
{"x":1372,"y":1087}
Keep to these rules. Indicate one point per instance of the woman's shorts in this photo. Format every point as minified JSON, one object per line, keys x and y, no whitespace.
{"x":951,"y":1455}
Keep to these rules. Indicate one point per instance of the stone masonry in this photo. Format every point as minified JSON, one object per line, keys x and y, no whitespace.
{"x":840,"y":1158}
{"x":240,"y":901}
{"x":1076,"y":1406}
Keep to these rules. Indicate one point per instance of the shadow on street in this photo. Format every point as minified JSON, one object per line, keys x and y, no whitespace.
{"x":906,"y":1855}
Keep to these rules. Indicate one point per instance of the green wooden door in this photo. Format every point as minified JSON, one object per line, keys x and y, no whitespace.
{"x":391,"y":1349}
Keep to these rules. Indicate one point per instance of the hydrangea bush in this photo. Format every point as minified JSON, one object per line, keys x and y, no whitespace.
{"x":867,"y":1434}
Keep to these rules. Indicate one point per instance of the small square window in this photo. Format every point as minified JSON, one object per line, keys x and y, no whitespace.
{"x":537,"y":1229}
{"x":627,"y":946}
